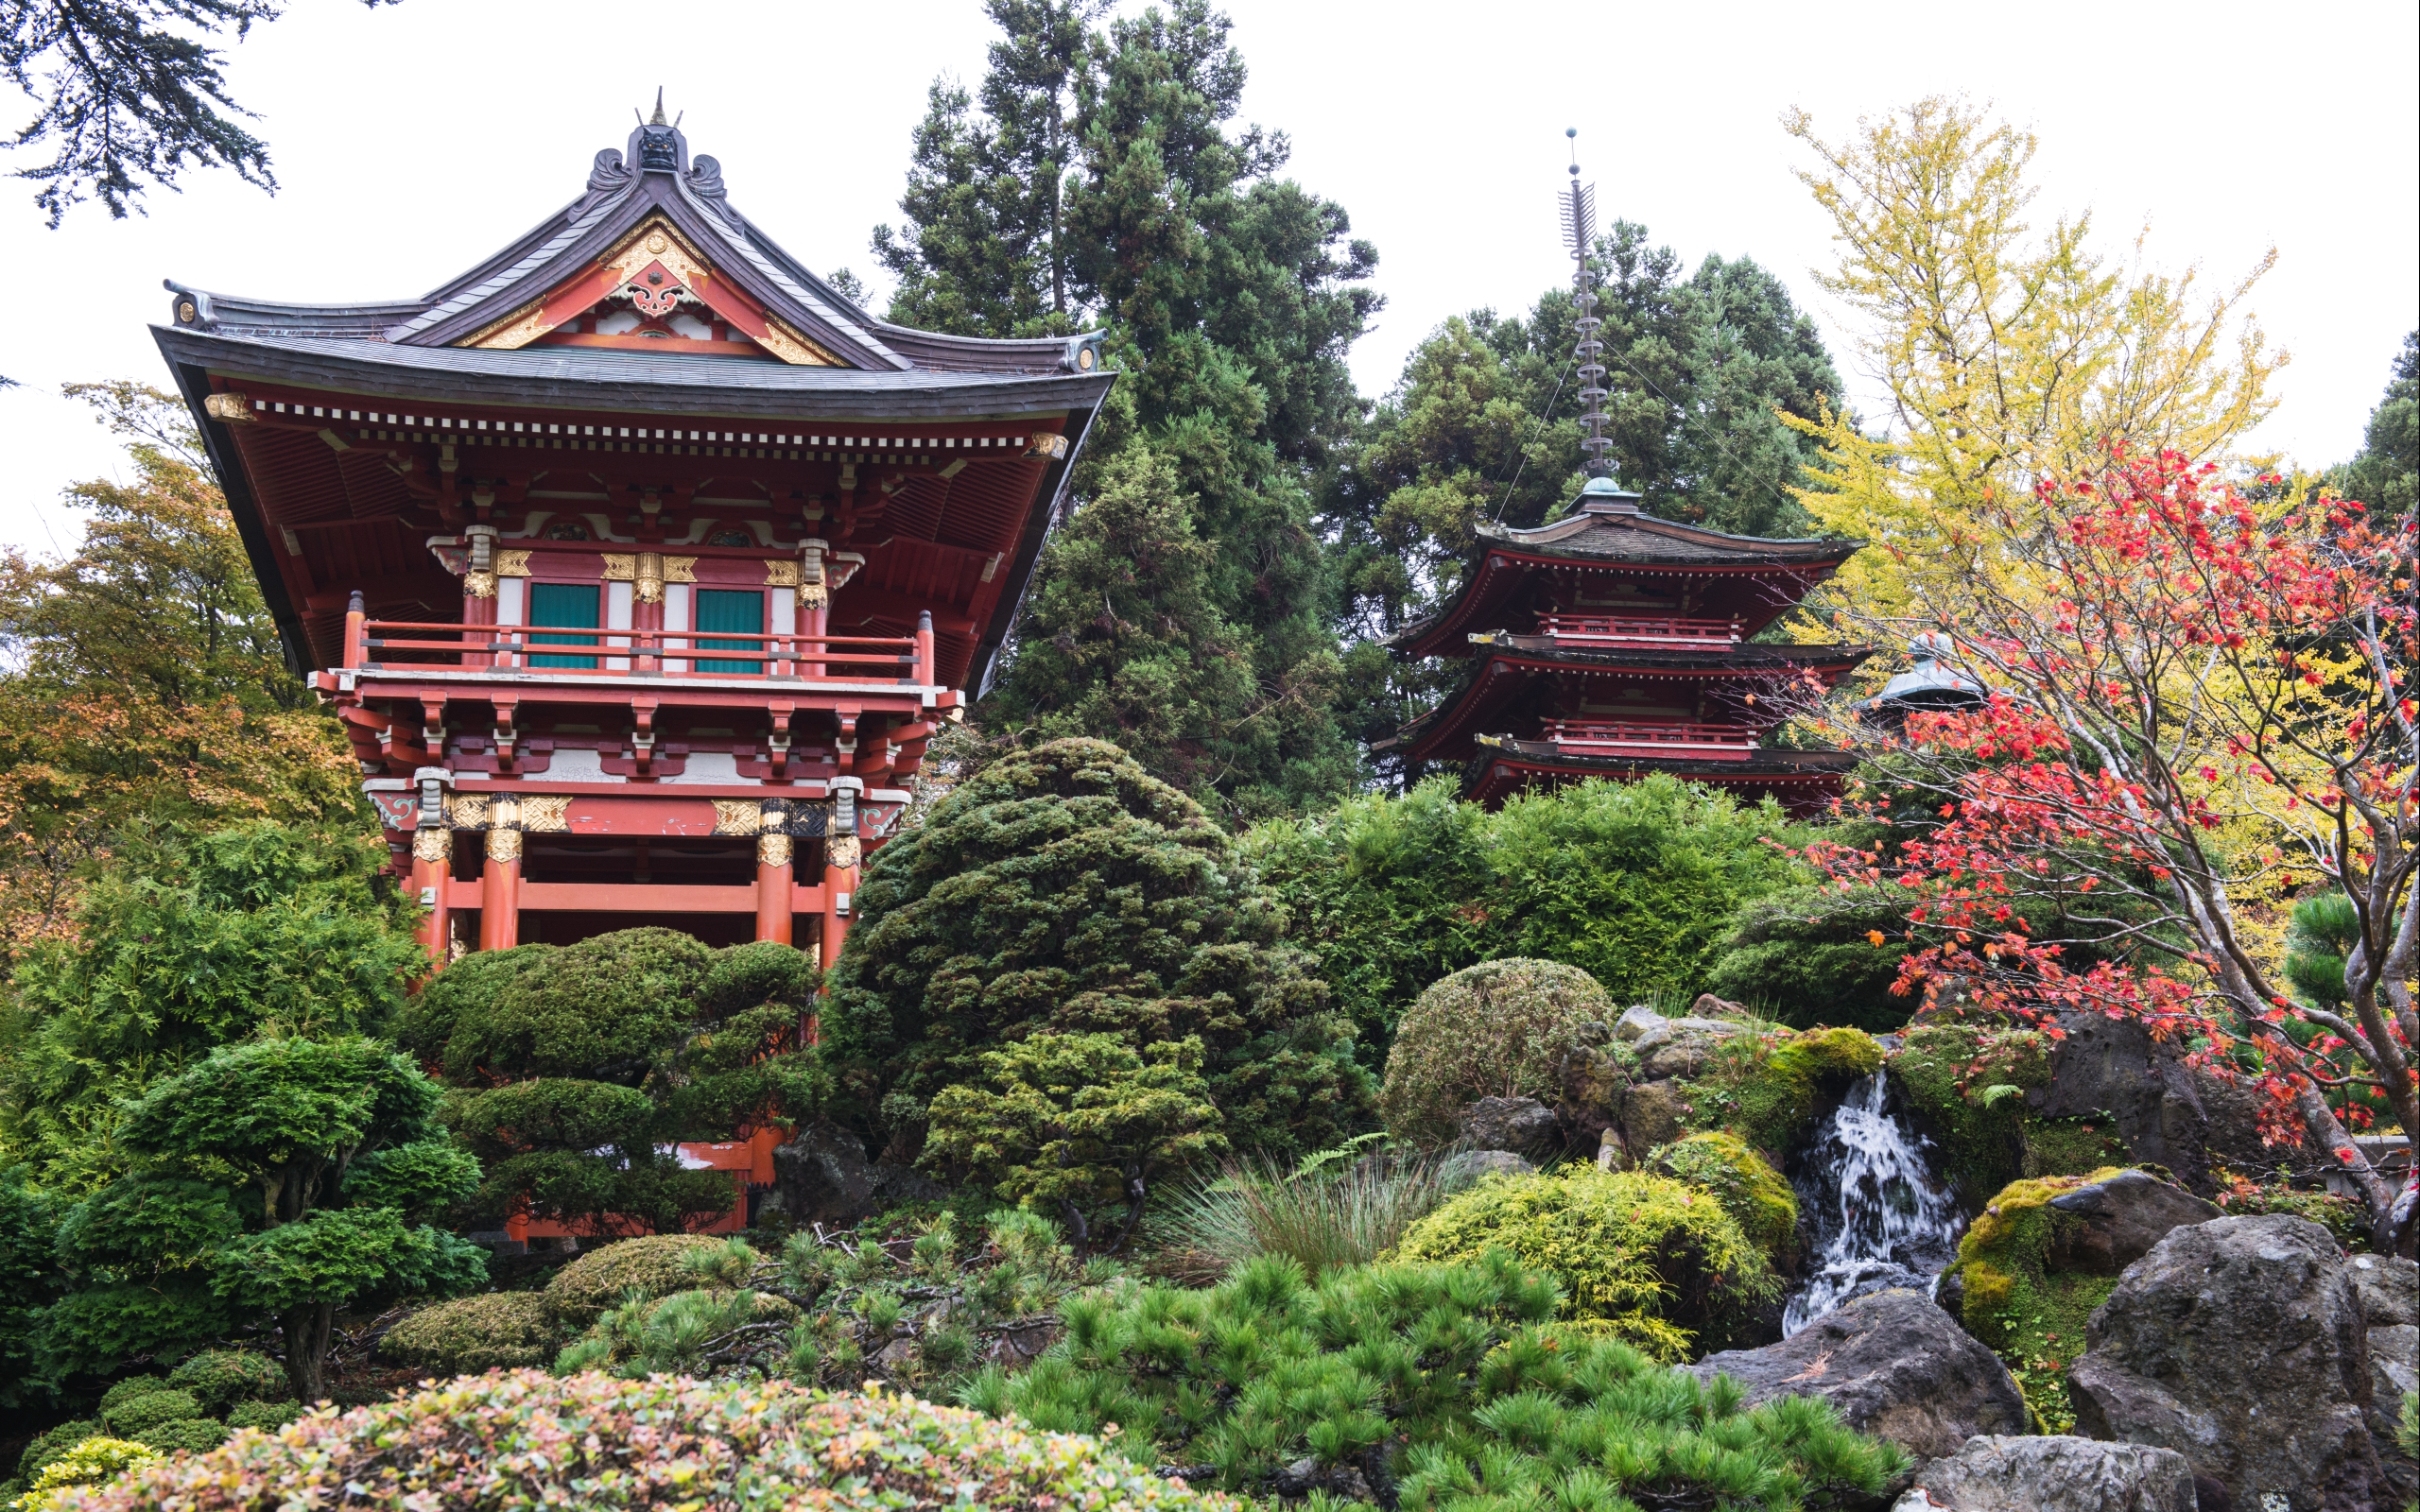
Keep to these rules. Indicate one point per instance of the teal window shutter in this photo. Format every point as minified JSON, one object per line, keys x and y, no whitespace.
{"x":733,"y":610}
{"x":571,"y":605}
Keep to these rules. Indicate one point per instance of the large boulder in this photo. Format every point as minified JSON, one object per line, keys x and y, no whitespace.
{"x":2390,"y":1291}
{"x":1515,"y":1124}
{"x":1999,"y":1473}
{"x":1651,"y":1117}
{"x":2239,"y":1342}
{"x":2390,"y":1288}
{"x":1680,"y":1047}
{"x":2168,"y":1113}
{"x":1894,"y":1366}
{"x":1470,"y":1167}
{"x":822,"y":1176}
{"x":2122,"y":1217}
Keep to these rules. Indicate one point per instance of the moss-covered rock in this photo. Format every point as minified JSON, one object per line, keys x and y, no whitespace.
{"x":2004,"y":1292}
{"x":1498,"y":1029}
{"x":1729,"y":1169}
{"x":653,"y":1266}
{"x":1768,"y":1089}
{"x":1650,"y":1260}
{"x":1966,"y":1082}
{"x":495,"y":1331}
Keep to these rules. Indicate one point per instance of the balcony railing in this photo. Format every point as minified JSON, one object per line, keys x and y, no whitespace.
{"x":1596,"y":737}
{"x":1629,"y":630}
{"x":405,"y":646}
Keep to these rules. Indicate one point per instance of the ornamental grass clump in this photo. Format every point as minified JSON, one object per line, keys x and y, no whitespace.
{"x":1346,"y":1215}
{"x":1455,"y":1385}
{"x":522,"y":1438}
{"x":1498,"y":1029}
{"x":1641,"y":1258}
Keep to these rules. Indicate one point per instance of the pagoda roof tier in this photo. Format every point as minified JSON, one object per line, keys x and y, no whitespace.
{"x":1802,"y":781}
{"x":1761,"y":576}
{"x":1509,"y":668}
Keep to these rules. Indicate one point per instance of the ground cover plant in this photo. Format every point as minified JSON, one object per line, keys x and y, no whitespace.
{"x":1454,"y":1384}
{"x":525,"y":1438}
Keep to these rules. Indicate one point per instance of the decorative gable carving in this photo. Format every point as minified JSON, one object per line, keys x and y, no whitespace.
{"x":654,"y":292}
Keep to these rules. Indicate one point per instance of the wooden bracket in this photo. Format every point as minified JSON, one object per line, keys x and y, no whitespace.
{"x":643,"y":734}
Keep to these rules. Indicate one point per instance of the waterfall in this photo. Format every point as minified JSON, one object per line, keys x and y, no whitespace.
{"x":1882,"y":1217}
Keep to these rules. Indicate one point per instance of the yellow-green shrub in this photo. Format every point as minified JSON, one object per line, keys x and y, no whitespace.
{"x":90,"y":1462}
{"x":1768,"y":1088}
{"x":603,"y":1279}
{"x":1498,"y":1029}
{"x":1649,"y":1259}
{"x":1729,"y":1169}
{"x":489,"y":1331}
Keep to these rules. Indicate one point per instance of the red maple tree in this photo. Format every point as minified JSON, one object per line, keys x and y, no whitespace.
{"x":2191,"y":708}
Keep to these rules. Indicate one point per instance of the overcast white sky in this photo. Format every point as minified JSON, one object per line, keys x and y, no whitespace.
{"x":411,"y":141}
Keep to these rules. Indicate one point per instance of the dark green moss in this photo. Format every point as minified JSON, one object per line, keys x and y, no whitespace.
{"x":2008,"y":1298}
{"x":1966,"y":1083}
{"x":2070,"y":1146}
{"x":1768,"y":1089}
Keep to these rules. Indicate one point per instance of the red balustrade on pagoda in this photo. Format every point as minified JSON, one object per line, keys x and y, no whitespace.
{"x":1613,"y":644}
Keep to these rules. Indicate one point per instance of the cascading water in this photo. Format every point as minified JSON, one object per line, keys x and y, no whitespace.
{"x":1882,"y":1217}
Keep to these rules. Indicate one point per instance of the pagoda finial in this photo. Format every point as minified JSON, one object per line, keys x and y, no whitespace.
{"x":659,"y":108}
{"x":1579,"y":231}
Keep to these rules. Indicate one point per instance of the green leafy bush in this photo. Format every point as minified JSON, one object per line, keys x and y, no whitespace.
{"x":1768,"y":1089}
{"x":1347,"y":1214}
{"x":1634,"y":884}
{"x":1643,"y":1258}
{"x":1804,"y":957}
{"x":268,"y":1417}
{"x":1455,"y":1378}
{"x":498,"y":1441}
{"x":183,"y":1434}
{"x":89,"y":1462}
{"x":579,"y":1293}
{"x":1498,"y":1029}
{"x":1063,"y":890}
{"x":488,"y":1332}
{"x":50,"y":1444}
{"x":1077,"y":1124}
{"x":129,"y":1415}
{"x":221,"y":1378}
{"x":1726,"y":1167}
{"x":575,"y":1065}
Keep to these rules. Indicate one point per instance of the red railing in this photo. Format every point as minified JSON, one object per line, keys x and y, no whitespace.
{"x":1592,"y":737}
{"x":1629,"y":630}
{"x":579,"y":651}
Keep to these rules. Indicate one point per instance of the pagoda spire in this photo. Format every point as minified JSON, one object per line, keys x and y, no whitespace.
{"x":1579,"y":231}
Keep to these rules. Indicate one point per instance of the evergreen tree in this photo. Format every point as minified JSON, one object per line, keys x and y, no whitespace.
{"x":1100,"y":182}
{"x":2386,"y":474}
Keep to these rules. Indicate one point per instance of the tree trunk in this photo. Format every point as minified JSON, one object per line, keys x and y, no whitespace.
{"x":306,"y":1332}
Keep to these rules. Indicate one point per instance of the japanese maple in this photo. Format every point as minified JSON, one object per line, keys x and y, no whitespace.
{"x":2194,"y":708}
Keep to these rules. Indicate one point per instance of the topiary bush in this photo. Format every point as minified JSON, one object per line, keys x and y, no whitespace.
{"x":1805,"y":956}
{"x":1454,"y":1381}
{"x":1644,"y":1257}
{"x":218,"y":1379}
{"x":579,"y":1293}
{"x":1729,"y":1169}
{"x":500,"y":1440}
{"x":1770,"y":1089}
{"x":88,"y":1462}
{"x":489,"y":1331}
{"x":184,"y":1434}
{"x":268,"y":1417}
{"x":1498,"y":1029}
{"x":2007,"y":1297}
{"x":1062,"y":889}
{"x":129,"y":1415}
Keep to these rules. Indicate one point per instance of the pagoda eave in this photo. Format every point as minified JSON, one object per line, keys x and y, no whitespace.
{"x":1802,"y":781}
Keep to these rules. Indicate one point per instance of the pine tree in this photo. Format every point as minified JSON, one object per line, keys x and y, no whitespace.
{"x":1100,"y":183}
{"x":2386,"y":474}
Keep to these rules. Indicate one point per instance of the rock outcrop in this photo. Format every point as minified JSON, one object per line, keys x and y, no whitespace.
{"x":822,"y":1176}
{"x":2389,"y":1286}
{"x":2240,"y":1344}
{"x":1893,"y":1365}
{"x":1470,"y":1167}
{"x":2122,"y":1218}
{"x":1517,"y":1124}
{"x":1999,"y":1473}
{"x":2168,"y":1113}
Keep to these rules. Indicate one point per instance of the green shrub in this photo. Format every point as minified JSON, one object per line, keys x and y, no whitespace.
{"x":497,"y":1440}
{"x":1634,"y":884}
{"x":1727,"y":1168}
{"x":50,"y":1444}
{"x":603,"y":1278}
{"x":88,"y":1462}
{"x":221,"y":1378}
{"x":130,"y":1388}
{"x":2346,"y":1218}
{"x":674,"y":1335}
{"x":1456,"y":1377}
{"x":1804,"y":955}
{"x":1770,"y":1089}
{"x":2009,"y":1298}
{"x":127,"y":1417}
{"x":1065,"y":890}
{"x":1644,"y":1257}
{"x":1498,"y":1029}
{"x":268,"y":1417}
{"x":186,"y":1434}
{"x":488,"y":1332}
{"x":1321,"y":1217}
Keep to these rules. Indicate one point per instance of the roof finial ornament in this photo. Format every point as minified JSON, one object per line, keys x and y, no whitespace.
{"x":1580,"y":232}
{"x":659,"y":108}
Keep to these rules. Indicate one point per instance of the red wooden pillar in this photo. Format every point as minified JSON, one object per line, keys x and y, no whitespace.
{"x":773,"y":887}
{"x":500,"y":881}
{"x":432,"y":869}
{"x":841,"y":857}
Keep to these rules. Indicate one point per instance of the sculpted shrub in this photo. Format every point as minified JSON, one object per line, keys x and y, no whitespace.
{"x":492,"y":1331}
{"x":221,"y":1378}
{"x":1644,"y":1257}
{"x":1498,"y":1029}
{"x":580,"y":1292}
{"x":525,"y":1438}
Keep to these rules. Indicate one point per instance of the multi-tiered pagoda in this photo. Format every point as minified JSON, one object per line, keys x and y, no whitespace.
{"x":640,"y":564}
{"x":1612,"y":643}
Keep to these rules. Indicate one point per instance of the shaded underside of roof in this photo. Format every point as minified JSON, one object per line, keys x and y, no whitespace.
{"x":1801,"y":780}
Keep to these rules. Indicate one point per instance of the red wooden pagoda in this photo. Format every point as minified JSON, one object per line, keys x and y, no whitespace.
{"x":640,"y":564}
{"x":1612,"y":643}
